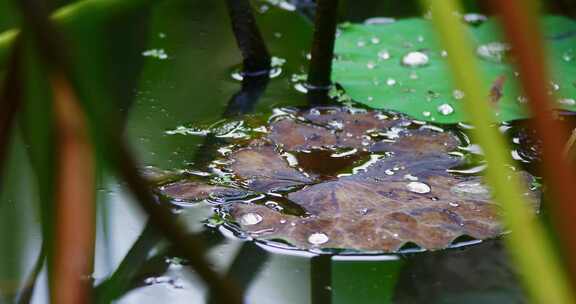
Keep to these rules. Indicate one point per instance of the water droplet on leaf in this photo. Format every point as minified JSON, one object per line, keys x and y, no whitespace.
{"x":457,"y":94}
{"x":384,"y":55}
{"x":318,"y":238}
{"x":445,"y":109}
{"x":418,"y":187}
{"x":493,"y":51}
{"x":415,"y":59}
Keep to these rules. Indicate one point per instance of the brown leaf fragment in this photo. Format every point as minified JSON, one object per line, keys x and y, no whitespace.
{"x":497,"y":89}
{"x":342,"y":119}
{"x":419,"y":142}
{"x":352,"y":128}
{"x":296,"y":136}
{"x":262,"y":169}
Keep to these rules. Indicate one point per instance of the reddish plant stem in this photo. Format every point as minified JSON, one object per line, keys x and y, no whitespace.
{"x":522,"y":30}
{"x":74,"y":250}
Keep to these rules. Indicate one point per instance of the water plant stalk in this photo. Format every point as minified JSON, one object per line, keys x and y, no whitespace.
{"x":322,"y":50}
{"x":529,"y":246}
{"x":75,"y":200}
{"x":522,"y":30}
{"x":256,"y":58}
{"x":321,"y":279}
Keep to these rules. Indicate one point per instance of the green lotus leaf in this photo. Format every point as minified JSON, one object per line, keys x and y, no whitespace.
{"x":401,"y":66}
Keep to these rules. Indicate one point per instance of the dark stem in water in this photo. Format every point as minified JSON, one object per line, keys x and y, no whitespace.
{"x":322,"y":50}
{"x":321,"y":279}
{"x":10,"y":99}
{"x":256,"y":58}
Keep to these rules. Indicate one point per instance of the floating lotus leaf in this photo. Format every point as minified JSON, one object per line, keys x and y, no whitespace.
{"x":358,"y":180}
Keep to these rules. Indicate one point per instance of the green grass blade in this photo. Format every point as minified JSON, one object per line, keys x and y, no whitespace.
{"x":529,"y":246}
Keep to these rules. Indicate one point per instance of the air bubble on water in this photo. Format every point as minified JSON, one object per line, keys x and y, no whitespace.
{"x":370,"y":65}
{"x":493,"y":51}
{"x":237,"y":75}
{"x":182,"y":130}
{"x":426,"y":113}
{"x":155,"y":53}
{"x":420,"y":38}
{"x":391,"y":81}
{"x":444,"y":53}
{"x":298,"y":77}
{"x":384,"y":55}
{"x":457,"y":94}
{"x":568,"y":55}
{"x":318,"y":238}
{"x":567,"y":101}
{"x":361,"y":43}
{"x":445,"y":109}
{"x":418,"y":187}
{"x":453,"y":204}
{"x":301,"y":87}
{"x":277,"y":61}
{"x":389,"y":172}
{"x":375,"y":40}
{"x":249,"y":219}
{"x":415,"y":59}
{"x":370,"y":98}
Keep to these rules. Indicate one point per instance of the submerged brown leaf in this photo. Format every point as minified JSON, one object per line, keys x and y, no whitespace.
{"x":195,"y":191}
{"x":389,"y":187}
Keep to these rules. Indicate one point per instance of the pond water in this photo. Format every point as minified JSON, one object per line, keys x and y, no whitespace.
{"x":189,"y":76}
